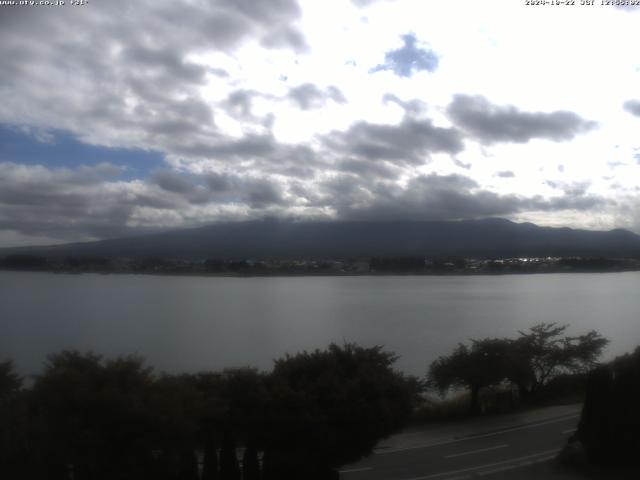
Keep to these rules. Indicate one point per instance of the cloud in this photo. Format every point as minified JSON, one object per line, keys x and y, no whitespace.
{"x":410,"y":107}
{"x":172,"y":181}
{"x":366,"y":169}
{"x":633,"y":107}
{"x":454,"y":197}
{"x":191,"y":82}
{"x":571,"y":189}
{"x":134,"y":75}
{"x":408,"y":59}
{"x":364,"y":3}
{"x":93,"y":202}
{"x":308,"y":96}
{"x":61,"y":203}
{"x":431,"y":197}
{"x":492,"y":124}
{"x":239,"y":103}
{"x":411,"y":141}
{"x":628,"y":8}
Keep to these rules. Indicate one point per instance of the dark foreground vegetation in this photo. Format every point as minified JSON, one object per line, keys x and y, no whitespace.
{"x":607,"y":435}
{"x":541,"y":364}
{"x":89,"y":418}
{"x":403,"y":265}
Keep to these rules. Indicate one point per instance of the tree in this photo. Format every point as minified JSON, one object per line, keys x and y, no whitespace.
{"x":12,"y":421}
{"x":610,"y":419}
{"x":543,"y":352}
{"x":99,"y":419}
{"x":331,"y":407}
{"x":94,"y":415}
{"x":10,"y":381}
{"x":486,"y":362}
{"x":529,"y":361}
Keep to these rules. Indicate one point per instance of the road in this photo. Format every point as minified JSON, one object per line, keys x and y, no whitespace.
{"x":506,"y":447}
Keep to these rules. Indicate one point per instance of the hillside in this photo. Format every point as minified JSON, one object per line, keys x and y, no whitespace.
{"x":281,"y":240}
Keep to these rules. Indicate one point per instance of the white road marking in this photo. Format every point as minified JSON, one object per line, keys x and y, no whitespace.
{"x":473,"y":437}
{"x":517,"y":465}
{"x":353,"y":470}
{"x":547,"y":454}
{"x":475,"y":451}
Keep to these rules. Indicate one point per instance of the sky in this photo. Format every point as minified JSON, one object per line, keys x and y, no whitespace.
{"x":119,"y":117}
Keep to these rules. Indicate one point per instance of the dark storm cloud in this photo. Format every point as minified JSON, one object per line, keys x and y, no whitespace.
{"x":224,"y":149}
{"x":61,"y":203}
{"x":452,"y":197}
{"x":221,"y":188}
{"x":260,"y":194}
{"x":367,"y":169}
{"x":411,"y":141}
{"x":255,"y":192}
{"x":633,"y":107}
{"x":91,"y":202}
{"x":172,"y":181}
{"x":308,"y":96}
{"x":408,"y":59}
{"x":170,"y":62}
{"x":431,"y":197}
{"x":258,"y":153}
{"x":342,"y":192}
{"x":491,"y":123}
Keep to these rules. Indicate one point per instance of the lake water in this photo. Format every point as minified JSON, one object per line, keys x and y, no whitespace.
{"x":194,"y":323}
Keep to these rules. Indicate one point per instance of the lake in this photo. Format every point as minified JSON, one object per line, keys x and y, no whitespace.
{"x":198,"y":323}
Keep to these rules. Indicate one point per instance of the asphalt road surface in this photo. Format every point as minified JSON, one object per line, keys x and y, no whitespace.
{"x":504,"y":451}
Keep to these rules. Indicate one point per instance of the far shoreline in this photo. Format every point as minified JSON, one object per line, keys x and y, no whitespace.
{"x":320,"y":274}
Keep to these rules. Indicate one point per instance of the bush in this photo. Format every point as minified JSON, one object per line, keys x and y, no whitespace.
{"x":610,"y":420}
{"x":102,"y":419}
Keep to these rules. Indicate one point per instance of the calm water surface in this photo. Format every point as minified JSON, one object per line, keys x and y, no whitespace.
{"x":193,"y":323}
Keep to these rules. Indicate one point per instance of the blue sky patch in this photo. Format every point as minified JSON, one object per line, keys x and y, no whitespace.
{"x":56,"y":149}
{"x":408,"y":59}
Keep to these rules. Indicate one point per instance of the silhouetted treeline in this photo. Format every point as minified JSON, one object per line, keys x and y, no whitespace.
{"x":610,"y":422}
{"x":24,"y":262}
{"x":413,"y":265}
{"x":536,"y":362}
{"x":397,"y":264}
{"x":596,"y":264}
{"x":90,"y":418}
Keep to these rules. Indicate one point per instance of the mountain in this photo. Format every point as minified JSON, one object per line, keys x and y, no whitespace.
{"x":285,"y":239}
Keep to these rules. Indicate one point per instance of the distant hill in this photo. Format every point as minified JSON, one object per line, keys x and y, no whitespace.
{"x":488,"y":238}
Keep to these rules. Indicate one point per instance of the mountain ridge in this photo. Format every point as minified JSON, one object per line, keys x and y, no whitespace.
{"x":280,"y":239}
